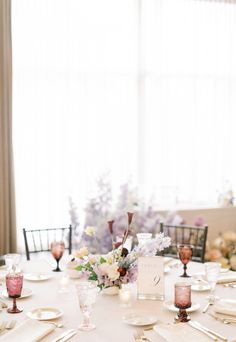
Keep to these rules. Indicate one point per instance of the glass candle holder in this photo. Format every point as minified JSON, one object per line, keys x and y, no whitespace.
{"x":182,"y":301}
{"x":64,"y":283}
{"x":14,"y":284}
{"x":125,"y":296}
{"x":185,"y":255}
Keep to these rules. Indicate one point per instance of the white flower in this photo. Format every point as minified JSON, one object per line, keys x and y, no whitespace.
{"x":82,"y":252}
{"x":103,"y":268}
{"x":112,"y":272}
{"x":92,"y":259}
{"x":90,"y":231}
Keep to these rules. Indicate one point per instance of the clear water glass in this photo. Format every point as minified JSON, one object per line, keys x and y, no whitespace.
{"x":87,"y":293}
{"x":12,"y":259}
{"x":212,"y":273}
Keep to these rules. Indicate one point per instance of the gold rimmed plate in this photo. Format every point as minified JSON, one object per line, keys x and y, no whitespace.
{"x":24,"y":293}
{"x":45,"y":313}
{"x":171,"y":307}
{"x":139,"y":319}
{"x":37,"y":276}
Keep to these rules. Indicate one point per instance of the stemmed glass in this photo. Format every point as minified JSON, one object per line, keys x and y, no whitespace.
{"x":12,"y":259}
{"x":185,"y":255}
{"x":14,"y":283}
{"x":57,"y":250}
{"x":212,"y":274}
{"x":87,"y":292}
{"x":182,"y":301}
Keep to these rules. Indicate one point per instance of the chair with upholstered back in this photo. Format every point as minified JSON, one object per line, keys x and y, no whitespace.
{"x":184,"y":234}
{"x":39,"y":240}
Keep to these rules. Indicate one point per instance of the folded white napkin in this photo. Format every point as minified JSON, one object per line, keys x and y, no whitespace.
{"x":28,"y":331}
{"x":227,"y":277}
{"x":175,"y":333}
{"x":226,"y":307}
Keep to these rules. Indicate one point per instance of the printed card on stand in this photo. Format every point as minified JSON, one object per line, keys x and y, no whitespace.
{"x":150,"y":280}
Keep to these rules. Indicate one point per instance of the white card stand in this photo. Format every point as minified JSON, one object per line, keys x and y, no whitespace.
{"x":150,"y":281}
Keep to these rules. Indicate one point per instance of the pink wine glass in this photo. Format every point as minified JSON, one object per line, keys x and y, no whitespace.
{"x":14,"y":283}
{"x":57,"y":250}
{"x":182,"y":301}
{"x":185,"y":255}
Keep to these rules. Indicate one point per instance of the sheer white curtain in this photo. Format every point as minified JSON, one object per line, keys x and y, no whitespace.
{"x":75,"y":102}
{"x":141,"y":88}
{"x":189,"y":63}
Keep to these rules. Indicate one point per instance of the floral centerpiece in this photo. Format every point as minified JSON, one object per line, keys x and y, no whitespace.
{"x":119,"y":266}
{"x":223,"y":250}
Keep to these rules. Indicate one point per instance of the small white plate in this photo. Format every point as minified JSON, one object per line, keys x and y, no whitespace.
{"x":24,"y":293}
{"x":139,"y":319}
{"x":201,"y":287}
{"x":44,"y":313}
{"x":224,"y":270}
{"x":166,"y":269}
{"x":170,"y":306}
{"x":37,"y":276}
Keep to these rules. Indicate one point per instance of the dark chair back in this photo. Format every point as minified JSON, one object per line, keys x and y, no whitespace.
{"x":39,"y":240}
{"x":183,"y":234}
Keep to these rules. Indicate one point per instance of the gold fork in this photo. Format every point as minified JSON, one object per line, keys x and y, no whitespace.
{"x":139,"y":337}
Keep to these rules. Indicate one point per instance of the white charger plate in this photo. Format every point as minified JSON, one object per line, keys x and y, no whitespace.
{"x":44,"y":313}
{"x":139,"y":319}
{"x":24,"y":293}
{"x":37,"y":276}
{"x":171,"y":307}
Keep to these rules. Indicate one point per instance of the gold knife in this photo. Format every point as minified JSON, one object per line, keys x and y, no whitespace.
{"x":202,"y":330}
{"x":63,"y":335}
{"x":211,"y":331}
{"x":67,"y":337}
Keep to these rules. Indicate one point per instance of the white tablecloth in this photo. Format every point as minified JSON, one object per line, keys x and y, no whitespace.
{"x":107,"y":312}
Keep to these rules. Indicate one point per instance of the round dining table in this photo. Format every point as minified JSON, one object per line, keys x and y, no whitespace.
{"x":108,"y":312}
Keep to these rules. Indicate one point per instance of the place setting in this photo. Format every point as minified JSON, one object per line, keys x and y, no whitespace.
{"x":183,"y":327}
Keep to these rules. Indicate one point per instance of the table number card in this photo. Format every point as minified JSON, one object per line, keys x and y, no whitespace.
{"x":150,"y":280}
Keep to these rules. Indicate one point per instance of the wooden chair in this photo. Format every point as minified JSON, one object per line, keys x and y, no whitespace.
{"x":39,"y":240}
{"x":183,"y":234}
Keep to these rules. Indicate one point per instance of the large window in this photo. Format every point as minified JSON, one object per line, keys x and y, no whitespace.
{"x":143,"y":89}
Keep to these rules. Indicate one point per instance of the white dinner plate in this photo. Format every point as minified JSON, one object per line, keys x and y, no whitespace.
{"x":139,"y":319}
{"x":37,"y":276}
{"x":44,"y":313}
{"x":24,"y":293}
{"x":170,"y":306}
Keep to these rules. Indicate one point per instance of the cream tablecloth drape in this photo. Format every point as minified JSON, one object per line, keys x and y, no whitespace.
{"x":108,"y":313}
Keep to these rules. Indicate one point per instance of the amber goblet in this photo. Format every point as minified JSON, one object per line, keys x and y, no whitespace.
{"x":57,"y":250}
{"x":185,"y":255}
{"x":182,"y":301}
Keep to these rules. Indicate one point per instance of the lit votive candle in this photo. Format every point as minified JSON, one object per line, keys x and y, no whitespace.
{"x":125,"y":296}
{"x":64,"y":283}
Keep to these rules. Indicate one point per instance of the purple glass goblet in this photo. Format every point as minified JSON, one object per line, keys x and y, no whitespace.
{"x":14,"y":283}
{"x":185,"y":255}
{"x":182,"y":301}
